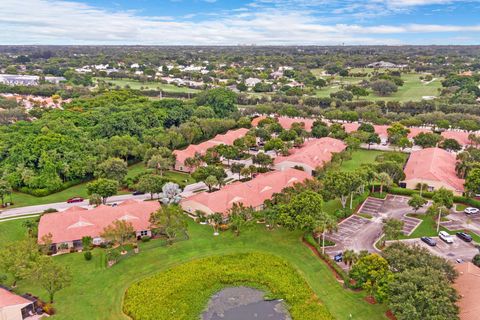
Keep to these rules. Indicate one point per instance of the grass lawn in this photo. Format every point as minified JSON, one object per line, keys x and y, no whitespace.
{"x":12,"y":230}
{"x":428,"y":228}
{"x":360,"y":157}
{"x":413,"y":88}
{"x":97,"y":292}
{"x":80,"y":190}
{"x":152,"y":85}
{"x":174,"y":176}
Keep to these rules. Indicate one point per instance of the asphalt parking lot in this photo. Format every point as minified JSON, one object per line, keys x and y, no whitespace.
{"x":459,"y":249}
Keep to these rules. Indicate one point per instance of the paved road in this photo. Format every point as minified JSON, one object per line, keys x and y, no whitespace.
{"x":188,"y":191}
{"x":60,"y":206}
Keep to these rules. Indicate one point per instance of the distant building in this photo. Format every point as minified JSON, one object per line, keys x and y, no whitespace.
{"x":313,"y":154}
{"x":434,"y":167}
{"x":251,"y":82}
{"x":251,"y":193}
{"x":26,"y":80}
{"x":201,"y":148}
{"x":385,"y":65}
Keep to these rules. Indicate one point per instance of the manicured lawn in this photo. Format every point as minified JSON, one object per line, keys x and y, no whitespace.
{"x":413,"y":88}
{"x":174,"y":176}
{"x":12,"y":230}
{"x":428,"y":228}
{"x":150,"y":85}
{"x":80,"y":190}
{"x":360,"y":157}
{"x":97,"y":292}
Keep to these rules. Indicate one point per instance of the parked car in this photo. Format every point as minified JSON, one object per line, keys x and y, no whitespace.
{"x":75,"y":199}
{"x":464,"y":236}
{"x":137,"y":193}
{"x":429,"y":241}
{"x":338,"y":257}
{"x":445,"y":237}
{"x":471,"y":210}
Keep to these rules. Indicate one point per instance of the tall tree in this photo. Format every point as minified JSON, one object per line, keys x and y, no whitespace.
{"x":51,"y":276}
{"x":103,"y":187}
{"x":169,"y":221}
{"x":112,"y":168}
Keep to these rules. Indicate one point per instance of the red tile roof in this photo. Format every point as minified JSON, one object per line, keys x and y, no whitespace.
{"x":414,"y":131}
{"x":460,"y":136}
{"x":314,"y":152}
{"x":8,"y":299}
{"x":468,"y":288}
{"x":286,"y":122}
{"x":251,"y":193}
{"x":201,"y":148}
{"x":433,"y":164}
{"x":257,"y":120}
{"x":75,"y":223}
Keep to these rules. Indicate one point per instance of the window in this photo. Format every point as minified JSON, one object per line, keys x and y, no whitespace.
{"x":143,"y":233}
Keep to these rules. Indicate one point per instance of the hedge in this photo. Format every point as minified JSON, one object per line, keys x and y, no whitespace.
{"x":310,"y":240}
{"x":183,"y":292}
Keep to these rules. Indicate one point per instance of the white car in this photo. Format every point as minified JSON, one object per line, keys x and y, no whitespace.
{"x":471,"y":210}
{"x":445,"y":237}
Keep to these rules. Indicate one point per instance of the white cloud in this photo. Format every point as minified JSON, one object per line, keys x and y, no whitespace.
{"x":64,"y":22}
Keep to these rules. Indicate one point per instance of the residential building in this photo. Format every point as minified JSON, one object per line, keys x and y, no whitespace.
{"x":252,"y":193}
{"x":313,"y":154}
{"x":286,"y":122}
{"x":468,"y":287}
{"x":67,"y":228}
{"x":26,"y":80}
{"x":251,"y":82}
{"x":14,"y":307}
{"x":434,"y":167}
{"x":459,"y":135}
{"x":191,"y":150}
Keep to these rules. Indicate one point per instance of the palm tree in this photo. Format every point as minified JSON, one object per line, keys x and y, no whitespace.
{"x":328,"y":223}
{"x":349,"y":257}
{"x":384,"y":180}
{"x":216,"y":219}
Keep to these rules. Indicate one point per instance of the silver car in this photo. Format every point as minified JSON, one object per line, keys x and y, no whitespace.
{"x":471,"y":210}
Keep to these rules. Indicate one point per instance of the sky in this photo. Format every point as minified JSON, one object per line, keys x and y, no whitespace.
{"x":237,"y":22}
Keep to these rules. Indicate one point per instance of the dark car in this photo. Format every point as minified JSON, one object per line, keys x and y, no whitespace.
{"x":75,"y":199}
{"x":338,"y":257}
{"x":429,"y":241}
{"x":464,"y":236}
{"x":137,"y":193}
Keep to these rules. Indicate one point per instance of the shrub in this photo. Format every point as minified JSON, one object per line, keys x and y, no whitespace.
{"x":145,"y":238}
{"x":50,"y":210}
{"x":87,"y":255}
{"x":183,"y":291}
{"x":476,"y":260}
{"x":48,"y":309}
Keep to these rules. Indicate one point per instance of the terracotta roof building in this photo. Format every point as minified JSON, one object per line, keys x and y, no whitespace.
{"x":286,"y":122}
{"x":435,"y":167}
{"x":460,"y":136}
{"x":70,"y":226}
{"x":13,"y":306}
{"x":251,"y":193}
{"x":191,"y":150}
{"x":314,"y":153}
{"x":468,"y":288}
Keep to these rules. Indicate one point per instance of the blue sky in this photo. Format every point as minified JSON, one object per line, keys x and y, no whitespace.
{"x":231,"y":22}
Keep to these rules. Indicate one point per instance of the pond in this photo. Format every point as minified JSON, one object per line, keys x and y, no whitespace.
{"x":242,"y":303}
